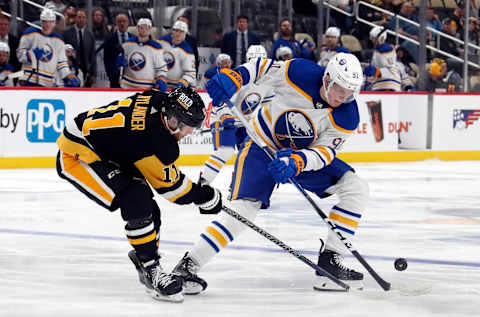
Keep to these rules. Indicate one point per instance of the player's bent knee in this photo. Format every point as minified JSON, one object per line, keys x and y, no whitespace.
{"x":246,"y":208}
{"x":136,"y":201}
{"x":354,"y":187}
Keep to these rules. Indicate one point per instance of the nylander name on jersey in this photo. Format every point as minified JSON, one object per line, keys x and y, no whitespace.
{"x":297,"y":116}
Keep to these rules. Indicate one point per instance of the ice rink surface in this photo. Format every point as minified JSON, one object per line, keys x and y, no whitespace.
{"x":62,"y":255}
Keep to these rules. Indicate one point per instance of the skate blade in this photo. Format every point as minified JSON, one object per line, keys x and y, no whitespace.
{"x":192,"y":288}
{"x":175,"y":298}
{"x":324,"y":284}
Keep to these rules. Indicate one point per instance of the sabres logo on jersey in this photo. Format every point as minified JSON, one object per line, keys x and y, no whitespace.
{"x":250,"y":102}
{"x":294,"y":129}
{"x":169,"y":59}
{"x":47,"y":53}
{"x":137,"y":61}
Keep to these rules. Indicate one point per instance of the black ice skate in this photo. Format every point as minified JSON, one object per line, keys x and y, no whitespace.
{"x":332,"y":262}
{"x":187,"y":269}
{"x":159,"y":284}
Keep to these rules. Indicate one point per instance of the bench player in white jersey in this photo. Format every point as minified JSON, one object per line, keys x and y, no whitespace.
{"x":226,"y":134}
{"x":42,"y":53}
{"x":311,"y":115}
{"x":6,"y":69}
{"x":385,"y":73}
{"x":179,"y":56}
{"x":332,"y":46}
{"x":142,"y":61}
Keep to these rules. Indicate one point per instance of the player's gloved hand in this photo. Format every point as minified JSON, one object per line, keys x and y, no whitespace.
{"x":227,"y":131}
{"x":121,"y":61}
{"x":180,"y":84}
{"x":161,"y":85}
{"x":370,"y":71}
{"x":71,"y":81}
{"x":38,"y":52}
{"x":211,"y":201}
{"x":287,"y":164}
{"x":223,"y":85}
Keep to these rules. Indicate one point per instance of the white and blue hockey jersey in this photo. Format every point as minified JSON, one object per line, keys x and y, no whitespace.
{"x":388,"y":75}
{"x":296,"y":116}
{"x":180,"y":61}
{"x":145,"y":63}
{"x":52,"y":61}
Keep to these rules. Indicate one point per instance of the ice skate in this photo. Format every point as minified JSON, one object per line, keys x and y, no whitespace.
{"x":187,"y":269}
{"x":158,"y":284}
{"x":332,"y":262}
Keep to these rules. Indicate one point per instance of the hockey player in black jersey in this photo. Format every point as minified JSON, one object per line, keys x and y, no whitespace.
{"x":111,"y":152}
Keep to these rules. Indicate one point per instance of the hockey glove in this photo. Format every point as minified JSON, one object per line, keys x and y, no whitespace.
{"x":213,"y":203}
{"x":121,"y":61}
{"x":161,"y":85}
{"x":287,"y":164}
{"x":71,"y":81}
{"x":180,"y":84}
{"x":370,"y":71}
{"x":223,"y":85}
{"x":226,"y":131}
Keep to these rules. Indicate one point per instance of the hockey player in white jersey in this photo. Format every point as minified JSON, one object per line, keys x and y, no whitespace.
{"x":384,"y":73}
{"x":226,"y":133}
{"x":142,"y":62}
{"x":332,"y":46}
{"x":311,"y":115}
{"x":179,"y":56}
{"x":5,"y":68}
{"x":42,"y":53}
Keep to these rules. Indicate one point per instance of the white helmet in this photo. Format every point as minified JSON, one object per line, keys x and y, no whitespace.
{"x":282,"y":51}
{"x":47,"y":15}
{"x":145,"y":21}
{"x":255,"y":51}
{"x":181,"y":26}
{"x":345,"y":70}
{"x":332,"y":31}
{"x":222,"y":57}
{"x":4,"y":48}
{"x":376,"y":36}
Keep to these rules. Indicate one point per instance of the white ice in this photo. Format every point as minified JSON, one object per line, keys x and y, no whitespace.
{"x":62,"y":255}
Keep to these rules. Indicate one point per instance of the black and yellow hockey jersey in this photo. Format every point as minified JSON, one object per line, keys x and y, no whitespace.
{"x":132,"y":134}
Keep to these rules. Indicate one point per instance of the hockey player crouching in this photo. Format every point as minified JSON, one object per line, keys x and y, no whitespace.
{"x":111,"y":152}
{"x":312,"y":113}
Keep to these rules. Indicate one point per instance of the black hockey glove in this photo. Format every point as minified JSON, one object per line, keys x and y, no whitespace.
{"x":213,"y":203}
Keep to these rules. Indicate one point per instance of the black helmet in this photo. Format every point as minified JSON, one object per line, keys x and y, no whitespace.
{"x":186,"y":105}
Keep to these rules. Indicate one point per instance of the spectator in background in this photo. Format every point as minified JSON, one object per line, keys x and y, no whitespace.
{"x":178,"y":55}
{"x":440,"y":79}
{"x":448,"y":45}
{"x":407,"y":29}
{"x":143,"y":62}
{"x":433,"y":22}
{"x":99,"y":25}
{"x":112,"y":47}
{"x":287,"y":38}
{"x":237,"y":42}
{"x":332,"y":46}
{"x":72,"y":64}
{"x":192,"y":41}
{"x":458,"y":15}
{"x":69,"y":14}
{"x":83,"y":40}
{"x":9,"y":39}
{"x":284,"y":53}
{"x":5,"y":68}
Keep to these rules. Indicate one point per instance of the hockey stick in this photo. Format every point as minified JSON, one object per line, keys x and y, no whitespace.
{"x":285,"y":247}
{"x":383,"y":284}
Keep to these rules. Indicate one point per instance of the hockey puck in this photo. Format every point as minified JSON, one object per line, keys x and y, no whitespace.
{"x":401,"y":264}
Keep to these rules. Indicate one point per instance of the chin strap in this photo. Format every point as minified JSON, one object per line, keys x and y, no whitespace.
{"x":172,"y":132}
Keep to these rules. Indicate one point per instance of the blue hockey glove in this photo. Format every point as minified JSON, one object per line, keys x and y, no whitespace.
{"x":180,"y":84}
{"x":287,"y":164}
{"x":161,"y":85}
{"x":121,"y":61}
{"x":223,"y":85}
{"x":71,"y":81}
{"x":370,"y":71}
{"x":228,"y":131}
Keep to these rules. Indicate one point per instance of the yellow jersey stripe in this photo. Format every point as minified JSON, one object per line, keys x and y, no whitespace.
{"x":303,"y":93}
{"x":344,"y":220}
{"x":241,"y":162}
{"x":330,"y":116}
{"x":218,"y":236}
{"x":143,"y":240}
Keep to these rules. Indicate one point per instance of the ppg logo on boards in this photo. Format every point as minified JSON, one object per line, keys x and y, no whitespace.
{"x":45,"y":119}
